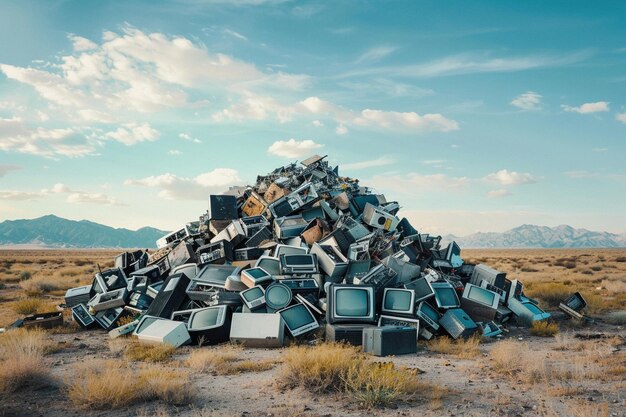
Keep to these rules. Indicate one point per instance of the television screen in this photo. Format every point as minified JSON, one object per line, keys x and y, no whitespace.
{"x":398,"y":300}
{"x":256,"y":273}
{"x":252,"y":294}
{"x":297,"y":316}
{"x":533,"y":308}
{"x":205,"y":318}
{"x":351,"y":302}
{"x":446,"y":297}
{"x":215,"y":274}
{"x":429,"y":311}
{"x":269,"y":264}
{"x":421,"y":287}
{"x":278,"y":296}
{"x":298,"y":260}
{"x":481,"y":295}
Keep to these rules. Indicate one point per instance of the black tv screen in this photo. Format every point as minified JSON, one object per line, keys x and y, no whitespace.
{"x":252,"y":294}
{"x":204,"y":318}
{"x":298,"y":260}
{"x":397,"y":300}
{"x":277,"y":295}
{"x":430,"y":312}
{"x":351,"y":302}
{"x":297,"y":316}
{"x":421,"y":288}
{"x":216,"y":274}
{"x":256,"y":273}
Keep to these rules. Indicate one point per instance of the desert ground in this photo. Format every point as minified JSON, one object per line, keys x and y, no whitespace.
{"x":563,"y":369}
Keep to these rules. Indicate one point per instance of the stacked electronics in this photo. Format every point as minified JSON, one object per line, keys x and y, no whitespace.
{"x":302,"y":251}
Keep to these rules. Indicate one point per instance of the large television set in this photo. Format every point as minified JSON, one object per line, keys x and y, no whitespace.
{"x":398,"y":301}
{"x":298,"y":319}
{"x":156,"y":330}
{"x":211,"y":277}
{"x":423,"y":289}
{"x":269,"y":264}
{"x":210,"y":325}
{"x":350,"y":304}
{"x":253,"y":297}
{"x":481,"y":295}
{"x":428,"y":315}
{"x":445,"y":295}
{"x":298,"y":264}
{"x":171,"y":296}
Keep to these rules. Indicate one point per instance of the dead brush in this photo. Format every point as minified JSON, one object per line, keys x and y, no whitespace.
{"x":27,"y":305}
{"x":114,"y":384}
{"x":460,"y":348}
{"x":226,"y":361}
{"x":22,"y":364}
{"x":136,"y":351}
{"x":544,"y":329}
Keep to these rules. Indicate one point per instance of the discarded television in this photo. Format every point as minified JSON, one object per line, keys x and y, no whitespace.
{"x":210,"y":325}
{"x":350,"y":304}
{"x":422,"y":288}
{"x":398,"y":301}
{"x":298,"y":264}
{"x":445,"y":295}
{"x":253,"y":297}
{"x":298,"y":319}
{"x":255,"y":276}
{"x":261,"y":330}
{"x":278,"y":296}
{"x":156,"y":330}
{"x":480,"y":303}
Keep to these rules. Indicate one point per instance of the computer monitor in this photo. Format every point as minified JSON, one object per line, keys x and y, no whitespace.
{"x":157,"y":330}
{"x":210,"y":325}
{"x":481,"y":295}
{"x":398,"y":301}
{"x":255,"y":276}
{"x":428,"y":315}
{"x":298,"y":319}
{"x":350,"y":304}
{"x":191,"y":270}
{"x":423,"y":289}
{"x":298,"y":264}
{"x":269,"y":264}
{"x":253,"y":297}
{"x":277,"y":296}
{"x":445,"y":295}
{"x":453,"y":254}
{"x":281,"y":249}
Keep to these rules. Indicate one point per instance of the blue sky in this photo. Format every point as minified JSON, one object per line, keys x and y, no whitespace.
{"x":475,"y":117}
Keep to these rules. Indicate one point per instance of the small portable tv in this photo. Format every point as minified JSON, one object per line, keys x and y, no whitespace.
{"x":428,"y":315}
{"x":155,"y":330}
{"x":210,"y":325}
{"x":277,"y":296}
{"x":253,"y":297}
{"x":298,"y":264}
{"x":445,"y":295}
{"x":398,"y":301}
{"x":386,"y":320}
{"x":423,"y":289}
{"x":350,"y":304}
{"x":255,"y":276}
{"x":109,"y":299}
{"x":480,"y":303}
{"x":526,"y":312}
{"x":298,"y":319}
{"x":210,"y":277}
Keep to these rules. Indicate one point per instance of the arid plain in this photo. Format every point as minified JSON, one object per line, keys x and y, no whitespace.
{"x":563,"y":368}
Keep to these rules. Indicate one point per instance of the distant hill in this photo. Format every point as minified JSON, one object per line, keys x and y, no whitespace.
{"x":53,"y":231}
{"x":532,"y":236}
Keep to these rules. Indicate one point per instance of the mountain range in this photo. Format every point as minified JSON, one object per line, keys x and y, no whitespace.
{"x":56,"y":232}
{"x":532,"y":236}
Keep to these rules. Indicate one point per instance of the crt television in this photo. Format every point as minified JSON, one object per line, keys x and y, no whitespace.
{"x":253,"y":297}
{"x":428,"y":315}
{"x":350,"y":304}
{"x":298,"y":319}
{"x":278,"y":296}
{"x":398,"y":301}
{"x":481,"y":295}
{"x":445,"y":295}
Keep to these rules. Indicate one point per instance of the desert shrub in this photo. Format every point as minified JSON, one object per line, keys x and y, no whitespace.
{"x":226,"y":360}
{"x":596,"y":268}
{"x":113,"y":384}
{"x":27,"y":306}
{"x":617,"y":317}
{"x":550,"y":293}
{"x":38,"y":286}
{"x":24,"y":275}
{"x":544,"y":329}
{"x":22,"y":364}
{"x":136,"y":351}
{"x":620,"y":259}
{"x":460,"y":348}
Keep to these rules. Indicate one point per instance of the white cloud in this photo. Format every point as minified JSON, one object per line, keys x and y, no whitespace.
{"x":378,"y":162}
{"x":341,"y":129}
{"x":5,"y":169}
{"x":255,"y":107}
{"x":376,"y":54}
{"x":19,"y":195}
{"x":173,"y":187}
{"x":528,"y":101}
{"x":598,"y":106}
{"x":433,"y":161}
{"x":600,"y":149}
{"x":413,"y":182}
{"x":317,"y":123}
{"x":316,"y":105}
{"x":293,"y":148}
{"x":81,"y":44}
{"x":174,"y":152}
{"x":502,"y":192}
{"x":621,"y":117}
{"x":235,"y":34}
{"x":406,"y":120}
{"x":504,"y":177}
{"x":186,"y":136}
{"x":92,"y":198}
{"x":73,"y":196}
{"x":133,"y":133}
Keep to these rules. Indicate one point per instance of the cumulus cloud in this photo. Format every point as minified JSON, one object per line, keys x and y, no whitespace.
{"x":378,"y":162}
{"x":174,"y":187}
{"x":341,"y":129}
{"x":133,"y":133}
{"x":505,"y":177}
{"x":19,"y":195}
{"x":81,"y":44}
{"x":502,"y":192}
{"x":92,"y":198}
{"x":621,"y":117}
{"x":598,"y":106}
{"x":293,"y":148}
{"x":528,"y":101}
{"x":174,"y":152}
{"x":188,"y":137}
{"x":5,"y":169}
{"x":407,"y":120}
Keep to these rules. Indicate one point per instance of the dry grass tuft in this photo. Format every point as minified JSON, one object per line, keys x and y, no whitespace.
{"x":113,"y":384}
{"x":22,"y":364}
{"x":460,"y":348}
{"x":136,"y":351}
{"x":27,"y":306}
{"x":38,"y":286}
{"x":226,"y":360}
{"x":585,"y":409}
{"x":335,"y":367}
{"x":544,"y":329}
{"x":617,"y":317}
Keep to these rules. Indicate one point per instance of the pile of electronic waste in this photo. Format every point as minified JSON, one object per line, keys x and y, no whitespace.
{"x":301,"y":249}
